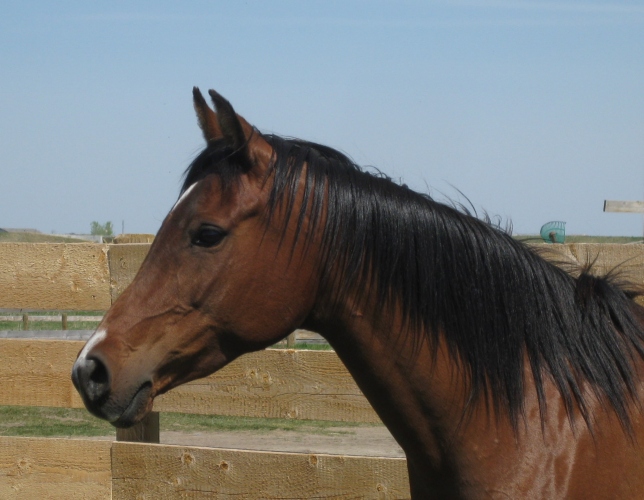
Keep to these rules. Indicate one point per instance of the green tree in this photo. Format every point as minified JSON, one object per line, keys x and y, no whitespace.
{"x":102,"y":229}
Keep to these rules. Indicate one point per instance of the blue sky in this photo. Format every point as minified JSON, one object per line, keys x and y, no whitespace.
{"x":534,"y":110}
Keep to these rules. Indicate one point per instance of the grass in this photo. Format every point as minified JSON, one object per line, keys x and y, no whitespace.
{"x":50,"y":422}
{"x":602,"y":239}
{"x":207,"y":423}
{"x":323,"y":346}
{"x":65,"y":422}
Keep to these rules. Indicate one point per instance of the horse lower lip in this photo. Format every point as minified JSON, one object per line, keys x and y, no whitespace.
{"x":129,"y":416}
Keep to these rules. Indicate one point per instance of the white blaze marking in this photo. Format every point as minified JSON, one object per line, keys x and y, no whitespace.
{"x":93,"y":340}
{"x":183,"y":196}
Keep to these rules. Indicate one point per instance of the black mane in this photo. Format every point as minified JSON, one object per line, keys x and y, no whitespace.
{"x":493,"y":297}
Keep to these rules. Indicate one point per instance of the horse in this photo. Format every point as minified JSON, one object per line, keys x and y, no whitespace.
{"x":500,"y":374}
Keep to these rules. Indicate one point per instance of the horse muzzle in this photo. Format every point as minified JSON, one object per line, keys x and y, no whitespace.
{"x":93,"y":380}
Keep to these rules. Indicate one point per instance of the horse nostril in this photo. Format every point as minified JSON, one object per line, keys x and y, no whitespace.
{"x":98,"y":373}
{"x":94,"y":379}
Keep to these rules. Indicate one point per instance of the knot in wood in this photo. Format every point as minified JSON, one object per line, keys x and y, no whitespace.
{"x":292,"y":413}
{"x":24,"y":465}
{"x":187,"y":458}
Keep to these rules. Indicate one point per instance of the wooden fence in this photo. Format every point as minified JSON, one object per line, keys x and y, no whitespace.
{"x":274,"y":383}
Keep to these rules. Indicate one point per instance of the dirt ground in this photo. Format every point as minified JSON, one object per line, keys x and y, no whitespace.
{"x":373,"y":441}
{"x":367,"y":441}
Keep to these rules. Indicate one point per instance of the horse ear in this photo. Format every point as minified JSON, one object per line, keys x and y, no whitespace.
{"x":231,"y":127}
{"x":207,"y":118}
{"x":242,"y":136}
{"x":226,"y":124}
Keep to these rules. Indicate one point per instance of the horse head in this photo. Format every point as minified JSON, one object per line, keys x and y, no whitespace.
{"x":213,"y":285}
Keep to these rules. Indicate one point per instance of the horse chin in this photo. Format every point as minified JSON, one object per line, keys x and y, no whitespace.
{"x":139,"y":406}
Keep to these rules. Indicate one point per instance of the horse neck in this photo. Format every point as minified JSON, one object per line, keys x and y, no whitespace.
{"x":420,"y":393}
{"x":417,"y":391}
{"x":459,"y":447}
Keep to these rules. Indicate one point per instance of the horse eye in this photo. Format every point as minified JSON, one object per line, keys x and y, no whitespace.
{"x":208,"y":236}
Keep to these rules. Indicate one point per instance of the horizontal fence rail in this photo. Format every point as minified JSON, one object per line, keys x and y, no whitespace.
{"x":300,"y":336}
{"x":69,"y":469}
{"x":89,"y":277}
{"x":153,"y":471}
{"x":52,"y":318}
{"x":276,"y":383}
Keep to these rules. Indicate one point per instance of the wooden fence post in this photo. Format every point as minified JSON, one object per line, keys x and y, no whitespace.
{"x":146,"y":431}
{"x":25,"y":322}
{"x":63,"y":318}
{"x":290,"y":341}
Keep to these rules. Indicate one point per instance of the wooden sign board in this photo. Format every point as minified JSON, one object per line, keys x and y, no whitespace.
{"x":624,"y":206}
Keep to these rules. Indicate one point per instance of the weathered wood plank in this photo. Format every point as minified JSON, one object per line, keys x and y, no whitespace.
{"x":624,"y":206}
{"x":59,"y":276}
{"x":124,"y":262}
{"x":311,"y":385}
{"x":35,"y":468}
{"x":134,"y":238}
{"x":308,"y":385}
{"x":626,"y":260}
{"x":604,"y":257}
{"x":146,"y":471}
{"x":38,"y":372}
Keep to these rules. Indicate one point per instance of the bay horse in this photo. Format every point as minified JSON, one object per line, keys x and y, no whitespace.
{"x":500,"y":374}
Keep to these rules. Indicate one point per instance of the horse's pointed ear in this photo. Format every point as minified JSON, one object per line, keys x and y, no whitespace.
{"x":231,"y":127}
{"x":206,"y":116}
{"x":224,"y":123}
